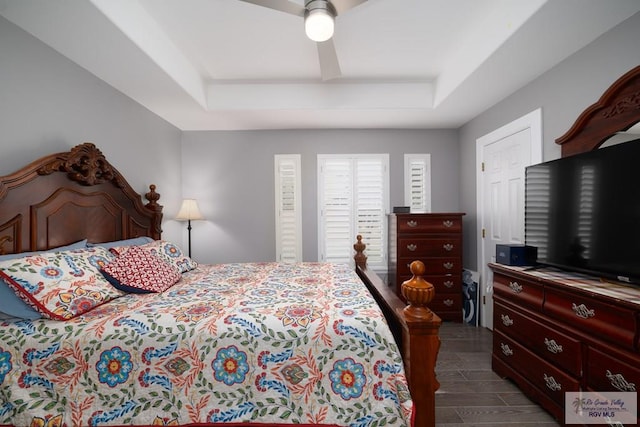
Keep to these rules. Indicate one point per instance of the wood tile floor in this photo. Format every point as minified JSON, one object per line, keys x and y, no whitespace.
{"x":471,"y":394}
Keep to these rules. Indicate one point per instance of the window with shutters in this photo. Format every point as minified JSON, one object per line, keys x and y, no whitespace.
{"x":288,"y":208}
{"x":417,"y":182}
{"x":353,"y":198}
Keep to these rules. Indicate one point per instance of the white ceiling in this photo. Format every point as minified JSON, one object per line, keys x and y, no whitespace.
{"x":227,"y":64}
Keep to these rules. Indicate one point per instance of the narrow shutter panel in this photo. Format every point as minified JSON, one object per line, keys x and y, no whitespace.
{"x":418,"y":182}
{"x":288,"y":211}
{"x":337,"y":209}
{"x":370,"y":208}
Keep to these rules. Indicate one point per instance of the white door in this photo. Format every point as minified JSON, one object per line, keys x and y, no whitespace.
{"x":503,"y":156}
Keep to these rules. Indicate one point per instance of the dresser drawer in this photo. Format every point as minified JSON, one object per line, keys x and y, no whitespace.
{"x":544,"y":340}
{"x":440,"y":247}
{"x":610,"y":372}
{"x":546,"y":377}
{"x":447,"y":302}
{"x":433,"y":266}
{"x":446,"y":306}
{"x":429,"y":224}
{"x":444,"y":301}
{"x":614,"y":323}
{"x":448,"y":284}
{"x":519,"y":291}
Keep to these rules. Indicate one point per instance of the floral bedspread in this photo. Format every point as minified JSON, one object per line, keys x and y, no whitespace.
{"x":259,"y":342}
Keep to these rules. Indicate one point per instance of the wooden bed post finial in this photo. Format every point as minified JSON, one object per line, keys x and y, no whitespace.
{"x":360,"y":257}
{"x":421,"y":344}
{"x":156,"y":209}
{"x":152,"y":196}
{"x":418,"y":293}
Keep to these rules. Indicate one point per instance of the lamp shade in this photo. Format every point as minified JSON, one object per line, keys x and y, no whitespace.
{"x":319,"y":20}
{"x":189,"y":211}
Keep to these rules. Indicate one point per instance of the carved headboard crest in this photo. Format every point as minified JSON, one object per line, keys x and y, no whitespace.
{"x":65,"y":197}
{"x":85,"y":164}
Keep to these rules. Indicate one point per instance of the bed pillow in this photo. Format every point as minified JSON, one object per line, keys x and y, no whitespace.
{"x":10,"y":303}
{"x":13,"y":306}
{"x":136,"y":241}
{"x":169,"y":252}
{"x":139,"y":271}
{"x":61,"y":285}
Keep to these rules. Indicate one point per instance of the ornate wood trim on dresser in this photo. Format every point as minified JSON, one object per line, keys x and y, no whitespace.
{"x":436,"y":240}
{"x":617,"y":110}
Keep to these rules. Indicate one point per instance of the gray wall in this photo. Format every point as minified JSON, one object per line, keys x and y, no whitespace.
{"x":563,"y":93}
{"x":49,"y":104}
{"x":231,"y":174}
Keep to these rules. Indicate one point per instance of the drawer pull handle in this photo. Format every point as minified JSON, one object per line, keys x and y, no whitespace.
{"x":412,"y":247}
{"x":412,"y":223}
{"x":447,"y":247}
{"x":553,"y":346}
{"x":582,"y":311}
{"x":448,"y":302}
{"x":506,"y":320}
{"x":448,"y":265}
{"x":515,"y":287}
{"x":447,"y":223}
{"x":619,"y":382}
{"x":506,"y":350}
{"x":552,"y":384}
{"x":448,"y":284}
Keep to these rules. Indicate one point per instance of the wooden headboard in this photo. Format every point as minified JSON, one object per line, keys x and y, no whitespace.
{"x":617,"y":110}
{"x":66,"y":197}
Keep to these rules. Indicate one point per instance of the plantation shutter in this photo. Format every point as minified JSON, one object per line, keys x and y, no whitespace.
{"x":353,"y":199}
{"x":417,"y":182}
{"x":288,"y":208}
{"x":336,"y":210}
{"x":370,"y":209}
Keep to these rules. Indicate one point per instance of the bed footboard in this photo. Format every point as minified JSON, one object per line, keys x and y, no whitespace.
{"x":415,"y":328}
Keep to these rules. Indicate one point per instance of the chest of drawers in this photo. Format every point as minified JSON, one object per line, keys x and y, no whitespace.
{"x":436,"y":240}
{"x":556,"y":332}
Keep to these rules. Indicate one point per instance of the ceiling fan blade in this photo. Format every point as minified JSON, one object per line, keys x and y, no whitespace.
{"x":281,"y":5}
{"x":342,"y":6}
{"x":329,"y":66}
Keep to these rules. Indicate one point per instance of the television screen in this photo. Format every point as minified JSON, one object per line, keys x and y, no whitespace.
{"x":583,"y":212}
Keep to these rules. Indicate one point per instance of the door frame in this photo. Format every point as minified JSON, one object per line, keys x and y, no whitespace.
{"x":532,"y":121}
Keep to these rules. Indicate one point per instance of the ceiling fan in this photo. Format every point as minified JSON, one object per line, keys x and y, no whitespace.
{"x":319,"y":18}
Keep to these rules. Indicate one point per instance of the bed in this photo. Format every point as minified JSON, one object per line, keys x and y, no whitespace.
{"x":233,"y":344}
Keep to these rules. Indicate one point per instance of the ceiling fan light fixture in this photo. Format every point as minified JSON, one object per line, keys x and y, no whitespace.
{"x":319,"y":20}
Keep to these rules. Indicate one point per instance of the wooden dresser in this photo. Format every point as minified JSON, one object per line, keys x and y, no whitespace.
{"x":556,"y":331}
{"x":436,"y":240}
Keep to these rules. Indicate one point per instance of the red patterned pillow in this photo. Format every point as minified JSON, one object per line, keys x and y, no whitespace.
{"x":167,"y":251}
{"x":139,"y":271}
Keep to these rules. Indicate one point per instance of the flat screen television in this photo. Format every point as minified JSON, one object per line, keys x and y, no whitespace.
{"x":583,"y":212}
